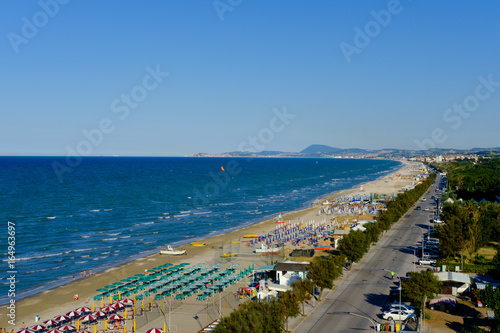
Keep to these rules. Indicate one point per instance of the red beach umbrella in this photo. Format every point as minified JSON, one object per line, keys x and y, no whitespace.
{"x":83,"y":309}
{"x":67,"y":328}
{"x":108,"y":309}
{"x":99,"y":314}
{"x":37,"y":328}
{"x":73,"y":314}
{"x":62,"y":318}
{"x":54,"y":331}
{"x":154,"y":330}
{"x":51,"y":322}
{"x":88,"y":318}
{"x":115,"y":317}
{"x":25,"y":331}
{"x":85,"y":332}
{"x":118,"y":305}
{"x":127,"y":301}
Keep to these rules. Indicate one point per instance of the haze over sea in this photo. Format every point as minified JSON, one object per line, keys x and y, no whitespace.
{"x":108,"y":211}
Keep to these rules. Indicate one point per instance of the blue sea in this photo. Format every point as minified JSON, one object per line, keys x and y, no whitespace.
{"x":104,"y":211}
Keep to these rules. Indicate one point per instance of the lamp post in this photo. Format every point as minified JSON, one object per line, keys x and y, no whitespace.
{"x":400,"y":288}
{"x":365,"y":317}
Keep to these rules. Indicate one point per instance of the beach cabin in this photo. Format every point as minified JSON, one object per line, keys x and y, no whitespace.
{"x":454,"y":283}
{"x":289,"y":271}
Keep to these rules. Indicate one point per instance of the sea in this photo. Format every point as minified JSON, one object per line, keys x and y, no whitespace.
{"x":69,"y":215}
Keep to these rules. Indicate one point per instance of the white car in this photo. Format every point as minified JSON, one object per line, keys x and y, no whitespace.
{"x":426,"y":262}
{"x":395,"y":315}
{"x":402,"y":306}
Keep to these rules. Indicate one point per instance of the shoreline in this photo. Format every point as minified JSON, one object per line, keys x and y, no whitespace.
{"x":185,"y":242}
{"x":85,"y":287}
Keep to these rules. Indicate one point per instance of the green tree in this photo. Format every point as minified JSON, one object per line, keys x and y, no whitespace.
{"x":354,"y":245}
{"x":451,"y":236}
{"x":420,"y":284}
{"x":290,"y":303}
{"x":324,"y":270}
{"x":303,"y":289}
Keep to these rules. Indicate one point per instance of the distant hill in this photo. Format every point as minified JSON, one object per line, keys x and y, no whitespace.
{"x":320,"y":149}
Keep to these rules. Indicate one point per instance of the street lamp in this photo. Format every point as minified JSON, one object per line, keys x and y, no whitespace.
{"x":400,"y":288}
{"x":361,"y":316}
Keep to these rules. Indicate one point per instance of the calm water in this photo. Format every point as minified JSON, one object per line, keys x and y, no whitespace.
{"x":111,"y":210}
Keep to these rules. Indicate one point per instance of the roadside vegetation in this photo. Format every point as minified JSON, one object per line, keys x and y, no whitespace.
{"x":470,"y":236}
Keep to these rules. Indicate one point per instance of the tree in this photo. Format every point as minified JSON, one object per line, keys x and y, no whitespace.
{"x":451,"y":236}
{"x":323,"y":271}
{"x":290,"y":303}
{"x":254,"y":316}
{"x":420,"y":284}
{"x":303,"y":289}
{"x":354,"y":245}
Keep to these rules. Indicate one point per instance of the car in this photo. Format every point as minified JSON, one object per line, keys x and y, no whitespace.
{"x":402,"y":306}
{"x":424,"y":199}
{"x":418,"y":208}
{"x":426,"y":261}
{"x":395,"y":315}
{"x":445,"y":304}
{"x":430,"y":254}
{"x":426,"y":209}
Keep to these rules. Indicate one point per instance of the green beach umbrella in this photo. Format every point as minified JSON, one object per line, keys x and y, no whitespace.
{"x":101,"y":290}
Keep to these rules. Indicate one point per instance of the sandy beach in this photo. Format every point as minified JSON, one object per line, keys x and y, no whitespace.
{"x":60,"y":300}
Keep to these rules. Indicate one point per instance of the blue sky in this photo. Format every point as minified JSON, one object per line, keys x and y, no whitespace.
{"x":235,"y":65}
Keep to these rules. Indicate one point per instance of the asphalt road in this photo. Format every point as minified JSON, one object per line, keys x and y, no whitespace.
{"x":365,"y":289}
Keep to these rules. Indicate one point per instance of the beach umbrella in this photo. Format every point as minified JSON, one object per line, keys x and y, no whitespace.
{"x":25,"y":331}
{"x":73,"y":314}
{"x":51,"y":323}
{"x":102,"y":290}
{"x":118,"y":305}
{"x":37,"y":328}
{"x":67,"y":328}
{"x":154,"y":330}
{"x":84,"y":332}
{"x":115,"y":317}
{"x":99,"y":314}
{"x":127,"y":301}
{"x":83,"y":309}
{"x":62,"y":319}
{"x":54,"y":331}
{"x":87,"y":318}
{"x":108,"y":309}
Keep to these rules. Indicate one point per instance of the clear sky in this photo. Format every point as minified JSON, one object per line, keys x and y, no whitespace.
{"x":174,"y":78}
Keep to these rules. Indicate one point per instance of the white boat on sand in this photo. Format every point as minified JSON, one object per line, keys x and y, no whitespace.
{"x":171,"y":251}
{"x":264,"y":249}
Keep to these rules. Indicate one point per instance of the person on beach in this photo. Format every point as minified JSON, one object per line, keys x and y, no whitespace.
{"x":90,"y":272}
{"x":85,"y":273}
{"x":23,"y":326}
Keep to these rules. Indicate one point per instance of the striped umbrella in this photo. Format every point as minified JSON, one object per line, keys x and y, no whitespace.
{"x":73,"y":314}
{"x":99,"y":314}
{"x":127,"y":301}
{"x":67,"y":328}
{"x":83,"y":309}
{"x":108,"y":309}
{"x":87,"y":318}
{"x":62,"y":318}
{"x":115,"y":317}
{"x":51,"y":323}
{"x":37,"y":328}
{"x":154,"y":330}
{"x":25,"y":331}
{"x":54,"y":331}
{"x":118,"y":305}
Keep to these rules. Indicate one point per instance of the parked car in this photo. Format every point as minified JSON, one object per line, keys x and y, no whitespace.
{"x":430,"y":255}
{"x":445,"y":304}
{"x":426,"y":261}
{"x":396,"y":315}
{"x":418,"y":208}
{"x":402,"y":306}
